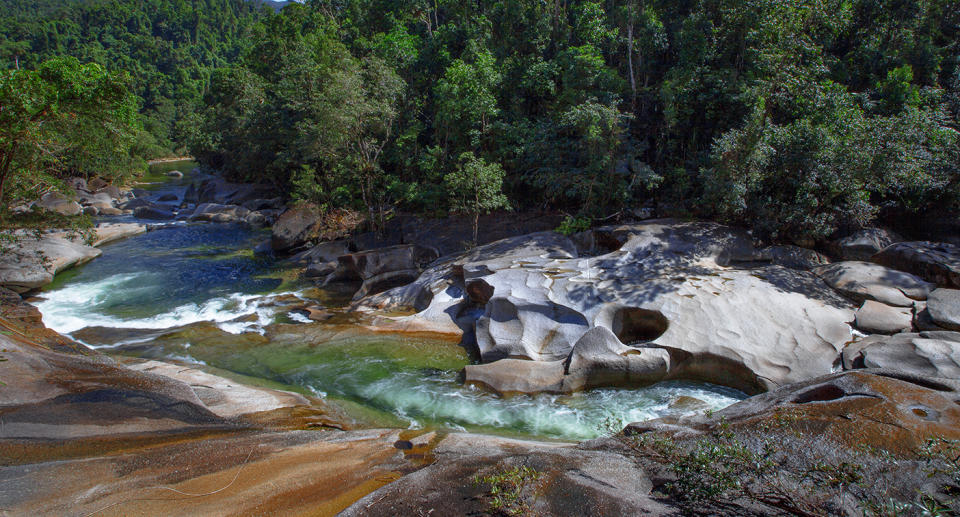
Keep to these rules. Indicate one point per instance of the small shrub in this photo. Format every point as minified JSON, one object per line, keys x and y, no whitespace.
{"x":506,"y":490}
{"x":571,"y":225}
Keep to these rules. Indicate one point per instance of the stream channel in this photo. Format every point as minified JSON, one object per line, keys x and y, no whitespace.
{"x":195,"y":294}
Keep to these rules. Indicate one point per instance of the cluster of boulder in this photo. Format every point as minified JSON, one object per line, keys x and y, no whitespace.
{"x":213,"y":200}
{"x":94,"y":197}
{"x":635,"y":304}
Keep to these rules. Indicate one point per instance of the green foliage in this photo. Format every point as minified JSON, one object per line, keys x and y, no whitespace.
{"x":788,"y":118}
{"x":571,"y":225}
{"x":63,"y":119}
{"x":475,"y":187}
{"x":167,"y":47}
{"x":506,"y":489}
{"x":727,"y":467}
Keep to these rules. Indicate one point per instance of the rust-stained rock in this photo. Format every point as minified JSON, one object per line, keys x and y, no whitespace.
{"x":885,"y":409}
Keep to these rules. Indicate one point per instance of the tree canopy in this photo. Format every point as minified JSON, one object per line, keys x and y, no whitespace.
{"x":795,"y":118}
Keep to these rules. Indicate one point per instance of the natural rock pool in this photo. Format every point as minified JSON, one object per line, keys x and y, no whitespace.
{"x":196,"y":293}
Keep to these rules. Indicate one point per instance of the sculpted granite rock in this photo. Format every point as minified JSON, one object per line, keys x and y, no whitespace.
{"x":927,"y":354}
{"x":885,"y":409}
{"x":866,"y":281}
{"x":863,"y":244}
{"x":664,"y":288}
{"x":56,"y":202}
{"x":935,"y":262}
{"x":879,"y":318}
{"x":33,"y":262}
{"x":517,"y":376}
{"x":944,"y":308}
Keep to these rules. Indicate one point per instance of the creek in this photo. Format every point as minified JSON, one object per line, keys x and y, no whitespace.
{"x":195,"y":293}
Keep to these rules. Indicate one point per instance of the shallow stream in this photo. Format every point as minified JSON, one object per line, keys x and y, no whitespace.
{"x":195,"y":293}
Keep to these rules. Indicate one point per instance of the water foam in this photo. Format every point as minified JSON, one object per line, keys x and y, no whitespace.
{"x":80,"y":305}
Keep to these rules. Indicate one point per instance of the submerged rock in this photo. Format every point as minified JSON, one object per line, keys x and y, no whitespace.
{"x":153,"y":212}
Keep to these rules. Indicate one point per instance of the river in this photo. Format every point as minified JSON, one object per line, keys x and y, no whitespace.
{"x":194,"y":293}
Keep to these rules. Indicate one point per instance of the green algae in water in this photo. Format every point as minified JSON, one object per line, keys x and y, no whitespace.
{"x":398,"y":381}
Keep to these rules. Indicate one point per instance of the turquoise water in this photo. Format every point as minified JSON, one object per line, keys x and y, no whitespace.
{"x":195,"y":293}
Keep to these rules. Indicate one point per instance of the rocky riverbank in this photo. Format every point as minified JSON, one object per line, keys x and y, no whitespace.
{"x":851,"y":353}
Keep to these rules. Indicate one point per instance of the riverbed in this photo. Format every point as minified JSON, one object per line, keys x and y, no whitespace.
{"x":196,"y":294}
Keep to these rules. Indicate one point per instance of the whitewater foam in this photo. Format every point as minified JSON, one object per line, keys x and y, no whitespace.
{"x":80,"y":305}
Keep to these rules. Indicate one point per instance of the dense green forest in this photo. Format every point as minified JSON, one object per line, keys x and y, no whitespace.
{"x":795,"y":118}
{"x":168,"y":48}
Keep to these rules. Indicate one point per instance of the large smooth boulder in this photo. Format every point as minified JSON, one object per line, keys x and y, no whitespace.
{"x":34,"y":262}
{"x":217,"y":213}
{"x":666,"y":290}
{"x":110,"y":232}
{"x":100,"y":198}
{"x":368,"y":264}
{"x":879,"y":318}
{"x":295,"y":227}
{"x":863,"y":244}
{"x":600,"y":359}
{"x":153,"y":212}
{"x":508,"y":376}
{"x":927,"y":354}
{"x":944,"y":308}
{"x":935,"y":262}
{"x":861,"y":281}
{"x":57,"y":202}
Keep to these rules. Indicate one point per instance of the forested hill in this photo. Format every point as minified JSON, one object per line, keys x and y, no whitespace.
{"x":168,"y":47}
{"x":794,"y":118}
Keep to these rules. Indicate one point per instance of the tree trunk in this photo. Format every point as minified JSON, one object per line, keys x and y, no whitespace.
{"x":16,"y":61}
{"x":633,"y":82}
{"x":476,"y":224}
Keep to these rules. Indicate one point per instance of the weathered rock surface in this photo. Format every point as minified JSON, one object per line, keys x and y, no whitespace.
{"x":223,"y":397}
{"x":863,"y":244}
{"x":56,"y":202}
{"x":887,"y":409}
{"x":573,"y":481}
{"x":879,"y":318}
{"x":517,"y":376}
{"x":294,"y":228}
{"x":106,"y":233}
{"x":34,"y":262}
{"x":665,"y":291}
{"x":944,"y":308}
{"x":217,"y":213}
{"x":926,"y":355}
{"x":861,"y":281}
{"x":153,"y":212}
{"x":933,"y":261}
